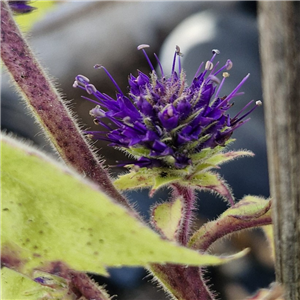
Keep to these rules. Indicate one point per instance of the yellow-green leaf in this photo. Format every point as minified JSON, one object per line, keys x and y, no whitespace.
{"x":51,"y":214}
{"x":248,"y":213}
{"x":134,"y":180}
{"x":15,"y":286}
{"x":212,"y":182}
{"x":26,"y":21}
{"x":166,"y":218}
{"x":221,"y":158}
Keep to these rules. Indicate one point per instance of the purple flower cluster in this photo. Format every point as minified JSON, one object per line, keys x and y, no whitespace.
{"x":162,"y":121}
{"x":20,"y":7}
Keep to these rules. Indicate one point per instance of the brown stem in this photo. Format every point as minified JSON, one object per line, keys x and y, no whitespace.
{"x":279,"y":23}
{"x":48,"y":107}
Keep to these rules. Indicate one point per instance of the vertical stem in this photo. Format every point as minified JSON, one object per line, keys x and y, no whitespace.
{"x":279,"y":23}
{"x":48,"y":107}
{"x":183,"y":283}
{"x":189,"y":199}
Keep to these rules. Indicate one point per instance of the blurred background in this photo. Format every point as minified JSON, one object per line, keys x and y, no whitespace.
{"x":74,"y":36}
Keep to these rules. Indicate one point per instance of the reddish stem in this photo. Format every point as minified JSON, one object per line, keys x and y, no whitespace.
{"x":188,"y":195}
{"x":184,"y":283}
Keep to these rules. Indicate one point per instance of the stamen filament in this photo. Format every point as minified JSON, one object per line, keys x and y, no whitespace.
{"x":110,"y":77}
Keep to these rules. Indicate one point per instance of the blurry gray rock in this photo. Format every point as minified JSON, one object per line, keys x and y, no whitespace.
{"x":234,"y":32}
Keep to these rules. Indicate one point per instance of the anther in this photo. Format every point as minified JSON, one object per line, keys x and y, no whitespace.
{"x":96,"y":122}
{"x":214,"y":79}
{"x":142,"y":46}
{"x":90,"y":88}
{"x":229,"y":64}
{"x":216,"y":51}
{"x":225,"y":74}
{"x":97,"y":112}
{"x":82,"y":79}
{"x":209,"y":65}
{"x":127,"y":120}
{"x":258,"y":103}
{"x":98,"y":66}
{"x":177,"y":50}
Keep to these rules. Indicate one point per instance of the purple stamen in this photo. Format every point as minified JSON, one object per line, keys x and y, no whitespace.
{"x":179,"y":59}
{"x":198,"y":70}
{"x":110,"y":77}
{"x":174,"y":63}
{"x":141,"y":47}
{"x":233,"y":121}
{"x":215,"y":53}
{"x":91,"y":100}
{"x":225,"y":75}
{"x":227,"y":66}
{"x":238,"y":87}
{"x":160,"y":66}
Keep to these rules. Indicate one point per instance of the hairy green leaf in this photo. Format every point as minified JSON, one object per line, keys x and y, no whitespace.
{"x":166,"y":218}
{"x":248,"y":213}
{"x":50,"y":214}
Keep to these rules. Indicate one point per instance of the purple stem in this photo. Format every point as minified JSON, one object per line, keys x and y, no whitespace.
{"x":48,"y":107}
{"x":188,"y":195}
{"x":184,"y":283}
{"x":218,"y":229}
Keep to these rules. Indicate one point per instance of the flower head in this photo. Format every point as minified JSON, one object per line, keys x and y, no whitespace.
{"x":162,"y":121}
{"x":20,"y":7}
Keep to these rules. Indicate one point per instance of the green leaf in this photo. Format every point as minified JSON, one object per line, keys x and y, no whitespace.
{"x":161,"y":181}
{"x":134,"y":180}
{"x":166,"y":218}
{"x":17,"y":286}
{"x":248,"y":213}
{"x":221,"y":158}
{"x":27,"y":21}
{"x":212,"y":182}
{"x":51,"y":214}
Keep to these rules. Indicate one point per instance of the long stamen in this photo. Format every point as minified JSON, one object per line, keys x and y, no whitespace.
{"x":209,"y":64}
{"x":174,"y":63}
{"x":227,"y":66}
{"x":198,"y":70}
{"x":179,"y":54}
{"x":225,"y":75}
{"x":215,"y":53}
{"x":110,"y":77}
{"x":248,"y":104}
{"x":141,"y":47}
{"x":238,"y":87}
{"x":257,"y":103}
{"x":160,"y":66}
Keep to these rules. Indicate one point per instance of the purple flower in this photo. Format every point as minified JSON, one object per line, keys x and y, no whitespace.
{"x":20,"y":7}
{"x":162,"y":121}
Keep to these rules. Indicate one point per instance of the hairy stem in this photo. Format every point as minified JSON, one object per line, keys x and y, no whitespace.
{"x":188,"y":195}
{"x":48,"y":107}
{"x":183,"y":283}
